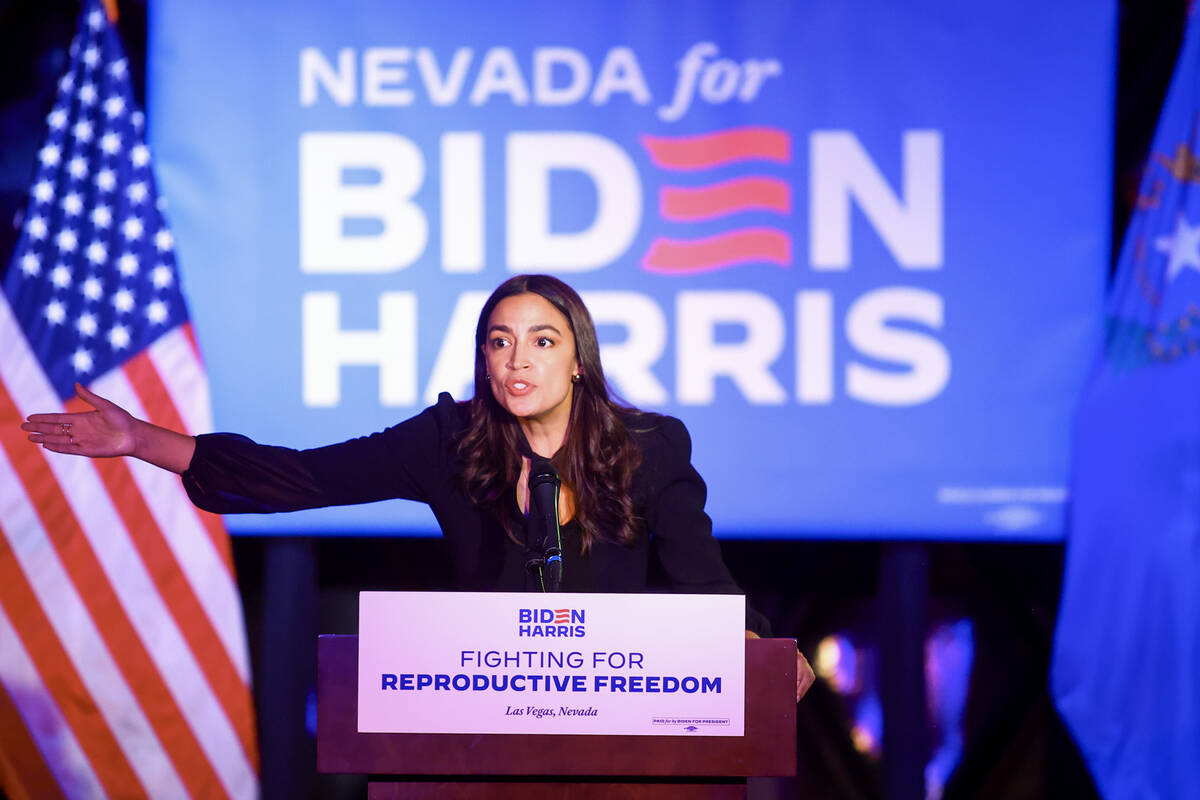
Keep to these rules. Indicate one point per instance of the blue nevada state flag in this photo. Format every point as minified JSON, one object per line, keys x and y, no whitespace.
{"x":1126,"y":667}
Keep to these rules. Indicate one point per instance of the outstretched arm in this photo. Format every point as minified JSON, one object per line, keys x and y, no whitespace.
{"x":108,"y":431}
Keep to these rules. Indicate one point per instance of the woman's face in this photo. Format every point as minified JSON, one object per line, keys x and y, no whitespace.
{"x":530,"y":354}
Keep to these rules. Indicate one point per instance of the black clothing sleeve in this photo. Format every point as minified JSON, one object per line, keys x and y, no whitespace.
{"x":231,"y":474}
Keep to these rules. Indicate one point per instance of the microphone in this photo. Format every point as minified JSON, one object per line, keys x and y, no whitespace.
{"x":543,"y":538}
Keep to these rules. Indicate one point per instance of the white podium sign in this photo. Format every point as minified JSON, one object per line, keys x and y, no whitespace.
{"x":467,"y":662}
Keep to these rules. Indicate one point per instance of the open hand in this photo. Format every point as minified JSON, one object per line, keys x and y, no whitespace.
{"x":108,"y":430}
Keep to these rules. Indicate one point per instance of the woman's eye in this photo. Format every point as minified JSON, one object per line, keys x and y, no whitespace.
{"x":544,"y":341}
{"x":498,"y":343}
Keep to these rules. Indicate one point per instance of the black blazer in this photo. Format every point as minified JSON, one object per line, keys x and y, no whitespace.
{"x":417,"y":460}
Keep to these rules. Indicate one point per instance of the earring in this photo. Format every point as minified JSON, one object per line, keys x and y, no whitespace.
{"x":576,"y":378}
{"x":487,"y":376}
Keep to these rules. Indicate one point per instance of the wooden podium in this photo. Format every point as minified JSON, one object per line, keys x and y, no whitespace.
{"x":449,"y":766}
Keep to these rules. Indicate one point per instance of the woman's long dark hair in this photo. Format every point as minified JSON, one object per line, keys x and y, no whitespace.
{"x":598,"y":456}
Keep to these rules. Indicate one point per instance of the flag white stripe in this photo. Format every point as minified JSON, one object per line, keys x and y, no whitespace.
{"x":190,"y":543}
{"x":46,"y":724}
{"x":73,"y":624}
{"x":185,"y":379}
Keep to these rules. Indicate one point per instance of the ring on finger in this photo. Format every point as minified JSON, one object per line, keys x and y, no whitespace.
{"x":65,"y":428}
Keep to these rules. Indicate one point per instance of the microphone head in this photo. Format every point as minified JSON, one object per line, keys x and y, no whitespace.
{"x":541,"y":471}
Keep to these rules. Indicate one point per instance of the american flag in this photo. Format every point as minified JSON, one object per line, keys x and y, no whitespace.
{"x":123,"y":664}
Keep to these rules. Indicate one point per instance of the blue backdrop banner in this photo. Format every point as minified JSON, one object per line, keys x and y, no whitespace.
{"x":860,"y":250}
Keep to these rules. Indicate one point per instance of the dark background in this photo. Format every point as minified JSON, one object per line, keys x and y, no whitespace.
{"x":887,"y":594}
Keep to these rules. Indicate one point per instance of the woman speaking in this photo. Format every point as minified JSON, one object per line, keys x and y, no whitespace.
{"x":629,"y":496}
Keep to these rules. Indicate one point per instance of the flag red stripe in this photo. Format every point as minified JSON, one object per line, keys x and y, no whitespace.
{"x":719,"y":148}
{"x":160,"y":410}
{"x":688,"y":204}
{"x":24,"y":773}
{"x":177,"y":594}
{"x":717,"y":252}
{"x":62,"y":681}
{"x":126,"y":647}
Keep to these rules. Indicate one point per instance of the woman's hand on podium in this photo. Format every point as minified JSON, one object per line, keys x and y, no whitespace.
{"x":805,"y":677}
{"x":804,"y":673}
{"x":109,"y":430}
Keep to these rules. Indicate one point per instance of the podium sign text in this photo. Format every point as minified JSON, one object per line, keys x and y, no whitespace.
{"x":634,"y":664}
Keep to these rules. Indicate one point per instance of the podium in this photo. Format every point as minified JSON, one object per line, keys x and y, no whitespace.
{"x":537,"y":766}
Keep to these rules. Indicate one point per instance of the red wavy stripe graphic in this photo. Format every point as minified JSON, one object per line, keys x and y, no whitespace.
{"x":682,"y":204}
{"x":676,"y":257}
{"x":716,"y":149}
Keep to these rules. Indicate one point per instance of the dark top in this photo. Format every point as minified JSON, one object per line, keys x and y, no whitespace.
{"x":417,"y":460}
